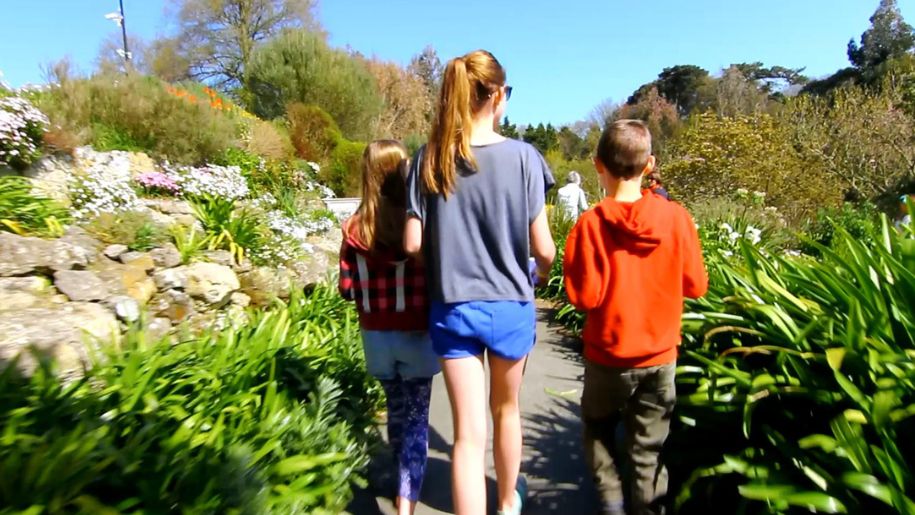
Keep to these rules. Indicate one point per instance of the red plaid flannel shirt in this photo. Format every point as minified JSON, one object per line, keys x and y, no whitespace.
{"x":390,"y":293}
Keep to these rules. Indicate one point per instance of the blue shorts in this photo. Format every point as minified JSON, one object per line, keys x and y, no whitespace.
{"x":506,"y":328}
{"x":404,"y":354}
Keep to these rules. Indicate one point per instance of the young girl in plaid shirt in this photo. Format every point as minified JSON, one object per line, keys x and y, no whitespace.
{"x":389,"y":289}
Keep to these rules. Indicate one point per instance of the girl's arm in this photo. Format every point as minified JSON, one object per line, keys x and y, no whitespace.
{"x":413,"y":236}
{"x":542,"y":246}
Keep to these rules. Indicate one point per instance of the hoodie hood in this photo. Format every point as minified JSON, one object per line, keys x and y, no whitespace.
{"x":639,"y":225}
{"x":351,"y":234}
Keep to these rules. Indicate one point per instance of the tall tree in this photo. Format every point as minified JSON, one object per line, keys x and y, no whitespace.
{"x":682,"y":85}
{"x":738,"y":94}
{"x":661,"y":116}
{"x":299,"y":66}
{"x":111,"y":60}
{"x":218,"y":37}
{"x":428,"y":67}
{"x":771,"y":78}
{"x":508,"y":129}
{"x":543,"y":138}
{"x":685,"y":85}
{"x":406,"y":105}
{"x":888,"y":36}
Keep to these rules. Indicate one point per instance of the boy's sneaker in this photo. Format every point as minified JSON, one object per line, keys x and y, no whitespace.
{"x":520,"y":496}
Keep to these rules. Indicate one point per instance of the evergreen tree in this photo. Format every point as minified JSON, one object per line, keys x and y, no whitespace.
{"x":889,"y":36}
{"x":508,"y":129}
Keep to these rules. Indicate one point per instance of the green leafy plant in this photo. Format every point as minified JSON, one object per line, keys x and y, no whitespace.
{"x":23,"y":212}
{"x":268,"y":417}
{"x":229,"y":228}
{"x":796,"y":382}
{"x":860,"y":221}
{"x":189,"y":241}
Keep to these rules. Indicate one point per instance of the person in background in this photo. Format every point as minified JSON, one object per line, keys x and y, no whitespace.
{"x":476,"y":209}
{"x":904,"y":218}
{"x":389,"y":289}
{"x":629,"y":262}
{"x":656,"y":185}
{"x":571,"y":198}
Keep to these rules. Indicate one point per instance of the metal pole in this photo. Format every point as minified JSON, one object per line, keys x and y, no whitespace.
{"x":124,"y":34}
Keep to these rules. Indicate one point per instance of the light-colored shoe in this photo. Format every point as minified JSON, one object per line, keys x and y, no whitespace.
{"x":520,"y":497}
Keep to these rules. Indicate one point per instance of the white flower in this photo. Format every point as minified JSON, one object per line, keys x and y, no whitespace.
{"x":102,"y":184}
{"x":754,"y":235}
{"x":21,"y":129}
{"x":211,"y":180}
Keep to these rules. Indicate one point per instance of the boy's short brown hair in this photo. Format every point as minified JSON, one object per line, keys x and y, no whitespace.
{"x":625,"y":148}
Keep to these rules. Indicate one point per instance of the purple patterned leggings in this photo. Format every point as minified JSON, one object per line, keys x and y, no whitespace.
{"x":408,"y":430}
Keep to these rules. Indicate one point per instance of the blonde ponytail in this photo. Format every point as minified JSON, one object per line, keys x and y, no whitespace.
{"x":467,"y":83}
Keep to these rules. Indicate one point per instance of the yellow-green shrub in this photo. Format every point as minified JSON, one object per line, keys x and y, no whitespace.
{"x":344,"y":172}
{"x":313,"y":132}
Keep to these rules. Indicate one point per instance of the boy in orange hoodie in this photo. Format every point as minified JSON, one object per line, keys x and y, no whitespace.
{"x":629,"y":263}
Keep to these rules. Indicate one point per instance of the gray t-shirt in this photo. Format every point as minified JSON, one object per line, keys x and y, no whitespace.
{"x":477,"y":242}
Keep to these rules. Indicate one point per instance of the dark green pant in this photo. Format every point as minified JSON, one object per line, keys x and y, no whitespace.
{"x":642,"y":399}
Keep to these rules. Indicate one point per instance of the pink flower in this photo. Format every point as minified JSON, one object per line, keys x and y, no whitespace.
{"x":157,"y":181}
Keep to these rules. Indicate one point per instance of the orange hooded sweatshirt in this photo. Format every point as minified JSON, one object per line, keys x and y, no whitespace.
{"x":628,"y":266}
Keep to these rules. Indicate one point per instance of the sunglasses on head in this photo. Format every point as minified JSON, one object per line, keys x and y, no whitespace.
{"x":508,"y":92}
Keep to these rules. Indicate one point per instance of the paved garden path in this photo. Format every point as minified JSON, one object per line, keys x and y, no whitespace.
{"x":553,"y":462}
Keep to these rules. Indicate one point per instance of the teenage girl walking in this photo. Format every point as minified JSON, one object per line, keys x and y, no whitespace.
{"x":476,"y":209}
{"x":389,"y":289}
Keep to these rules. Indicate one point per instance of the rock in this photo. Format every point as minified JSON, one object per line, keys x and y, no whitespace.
{"x":211,"y":283}
{"x":171,"y":279}
{"x":245,"y":266}
{"x":126,"y":308}
{"x":203,"y":322}
{"x":158,"y":328}
{"x":166,"y":256}
{"x":81,"y":285}
{"x":21,"y":255}
{"x":17,"y":300}
{"x":51,"y":177}
{"x":138,"y":259}
{"x":62,"y":333}
{"x":127,"y":280}
{"x":220,"y":257}
{"x":312,"y":269}
{"x":79,"y":237}
{"x":232,"y":316}
{"x":115,"y":251}
{"x":34,"y":285}
{"x":240,"y":299}
{"x":169,"y":206}
{"x":174,"y":305}
{"x":141,"y":163}
{"x":24,"y":292}
{"x":264,"y":285}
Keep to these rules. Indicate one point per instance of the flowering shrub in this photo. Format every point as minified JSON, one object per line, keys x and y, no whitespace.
{"x":288,"y":234}
{"x":102,"y":184}
{"x":21,"y":129}
{"x":209,"y":97}
{"x":137,"y":113}
{"x":157,"y":182}
{"x":211,"y":180}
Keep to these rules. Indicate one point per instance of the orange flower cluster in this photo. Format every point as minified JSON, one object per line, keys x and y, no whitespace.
{"x":212,"y":98}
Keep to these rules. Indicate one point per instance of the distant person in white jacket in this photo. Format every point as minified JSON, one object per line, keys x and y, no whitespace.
{"x":571,"y":198}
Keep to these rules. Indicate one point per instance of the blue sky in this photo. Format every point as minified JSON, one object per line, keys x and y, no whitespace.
{"x":562,"y":57}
